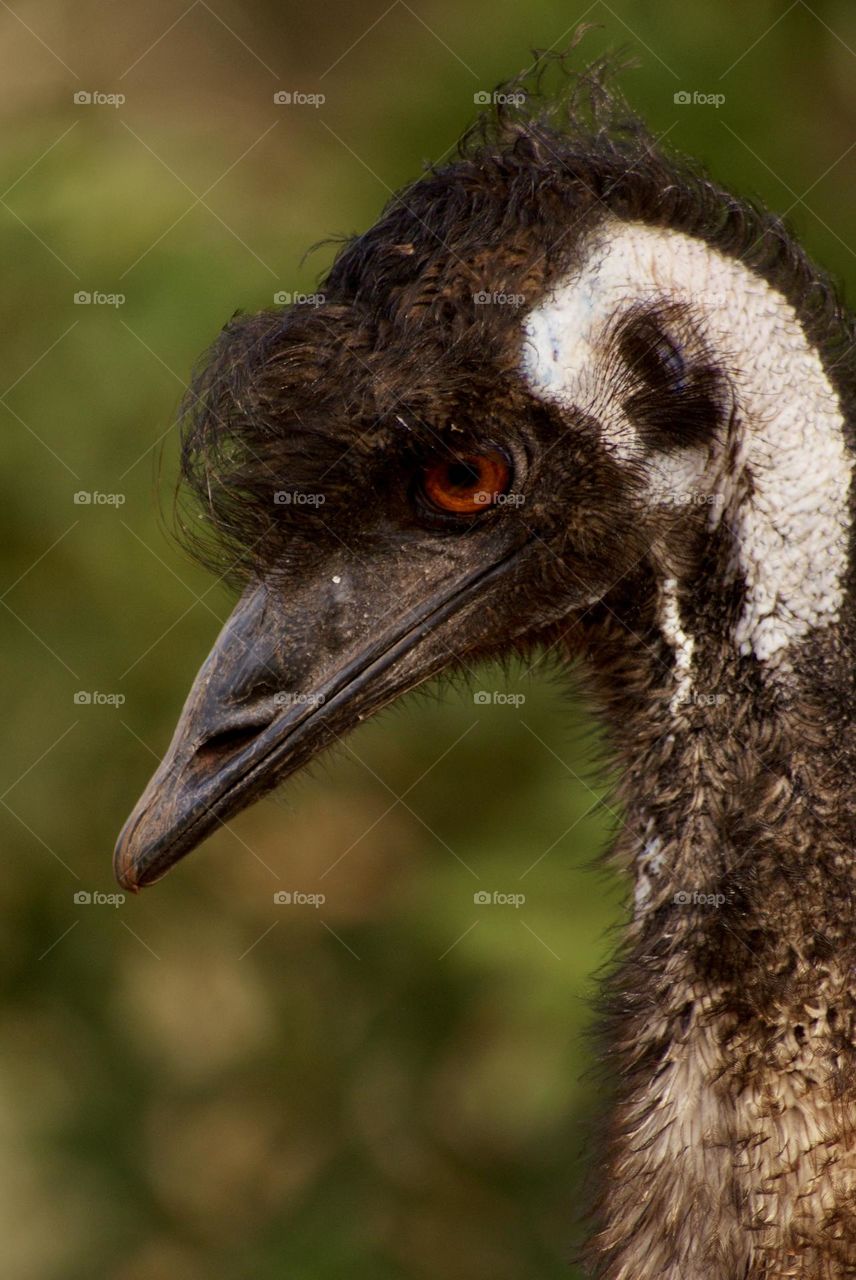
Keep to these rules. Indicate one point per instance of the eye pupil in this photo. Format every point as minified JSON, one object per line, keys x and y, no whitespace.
{"x":462,"y":475}
{"x":466,"y":484}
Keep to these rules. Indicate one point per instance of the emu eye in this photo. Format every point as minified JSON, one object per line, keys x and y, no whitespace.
{"x":466,"y":483}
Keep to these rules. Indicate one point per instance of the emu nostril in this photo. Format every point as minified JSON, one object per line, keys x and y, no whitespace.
{"x":229,"y":741}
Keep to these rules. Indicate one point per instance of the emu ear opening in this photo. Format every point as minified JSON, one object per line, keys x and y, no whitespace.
{"x":289,"y":675}
{"x":677,"y":392}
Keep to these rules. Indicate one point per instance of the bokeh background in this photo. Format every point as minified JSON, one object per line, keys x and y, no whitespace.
{"x":201,"y":1083}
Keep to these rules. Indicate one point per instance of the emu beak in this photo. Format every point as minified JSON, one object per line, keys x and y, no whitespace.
{"x":286,"y":678}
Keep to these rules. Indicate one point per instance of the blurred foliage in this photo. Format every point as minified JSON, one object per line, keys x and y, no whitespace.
{"x":200,"y":1083}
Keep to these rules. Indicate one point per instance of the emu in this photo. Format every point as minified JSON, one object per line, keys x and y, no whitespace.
{"x":644,"y":461}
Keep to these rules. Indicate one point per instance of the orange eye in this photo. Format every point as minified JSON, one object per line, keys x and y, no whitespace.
{"x":467,"y":483}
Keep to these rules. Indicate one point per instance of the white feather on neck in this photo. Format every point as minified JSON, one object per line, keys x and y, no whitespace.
{"x":791,"y":531}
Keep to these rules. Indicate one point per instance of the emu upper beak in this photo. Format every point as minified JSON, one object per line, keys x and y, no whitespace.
{"x":285,"y":678}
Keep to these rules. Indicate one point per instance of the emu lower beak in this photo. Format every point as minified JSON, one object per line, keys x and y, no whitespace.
{"x":285,"y":678}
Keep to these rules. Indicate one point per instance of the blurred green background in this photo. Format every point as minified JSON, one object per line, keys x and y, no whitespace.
{"x":200,"y":1083}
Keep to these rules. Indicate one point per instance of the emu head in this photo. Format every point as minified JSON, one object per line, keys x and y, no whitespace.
{"x":565,"y":388}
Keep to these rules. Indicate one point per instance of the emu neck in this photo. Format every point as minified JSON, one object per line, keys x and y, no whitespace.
{"x":720,"y":760}
{"x":731,"y":1017}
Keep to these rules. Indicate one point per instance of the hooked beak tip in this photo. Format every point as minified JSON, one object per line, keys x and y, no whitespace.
{"x":125,"y":864}
{"x":144,"y":851}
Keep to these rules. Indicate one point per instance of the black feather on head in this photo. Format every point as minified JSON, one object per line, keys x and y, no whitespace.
{"x":299,"y":416}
